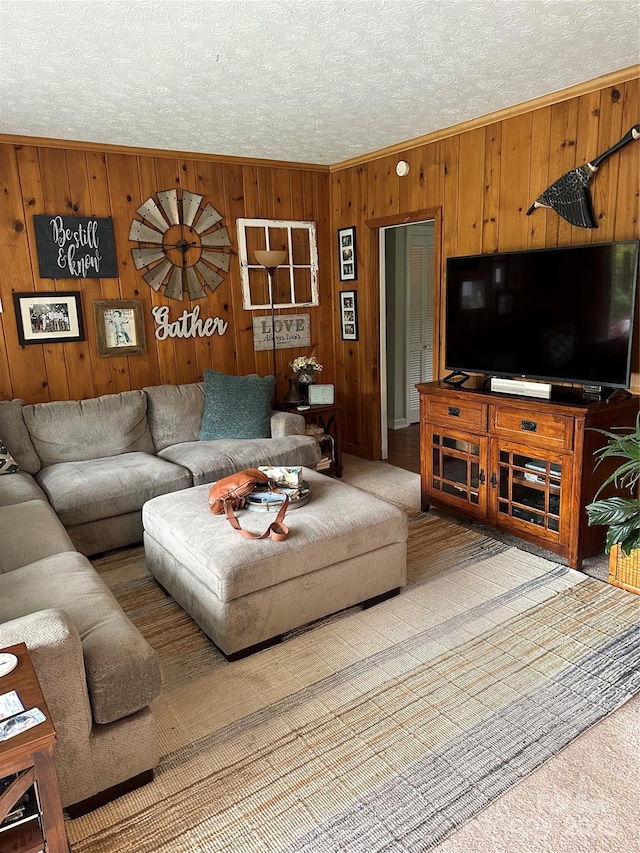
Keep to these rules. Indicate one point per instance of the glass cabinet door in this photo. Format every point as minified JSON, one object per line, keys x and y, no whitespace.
{"x":456,"y":469}
{"x":530,"y":489}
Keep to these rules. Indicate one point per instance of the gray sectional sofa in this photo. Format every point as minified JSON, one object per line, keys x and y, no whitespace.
{"x":85,"y":470}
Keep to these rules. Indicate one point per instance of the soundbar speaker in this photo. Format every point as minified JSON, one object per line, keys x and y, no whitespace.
{"x":522,"y":387}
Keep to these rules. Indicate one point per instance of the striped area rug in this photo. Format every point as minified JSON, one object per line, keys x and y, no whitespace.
{"x":378,"y":730}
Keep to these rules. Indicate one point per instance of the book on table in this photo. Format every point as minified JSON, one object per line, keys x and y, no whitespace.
{"x":25,"y":810}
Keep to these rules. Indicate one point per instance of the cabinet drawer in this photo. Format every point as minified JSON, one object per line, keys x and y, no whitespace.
{"x":465,"y":414}
{"x":539,"y":429}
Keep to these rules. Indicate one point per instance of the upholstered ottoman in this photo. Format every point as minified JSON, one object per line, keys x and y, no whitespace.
{"x":344,"y":547}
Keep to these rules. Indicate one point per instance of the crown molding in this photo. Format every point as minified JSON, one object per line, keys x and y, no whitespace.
{"x":614,"y":78}
{"x":109,"y":148}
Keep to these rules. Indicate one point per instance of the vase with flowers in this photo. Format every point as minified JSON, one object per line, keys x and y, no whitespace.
{"x":305,"y":370}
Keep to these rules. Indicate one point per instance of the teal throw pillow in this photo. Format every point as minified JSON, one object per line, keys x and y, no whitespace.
{"x":8,"y":464}
{"x":236,"y":406}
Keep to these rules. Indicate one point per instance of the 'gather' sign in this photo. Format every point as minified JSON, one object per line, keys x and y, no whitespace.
{"x":188,"y":325}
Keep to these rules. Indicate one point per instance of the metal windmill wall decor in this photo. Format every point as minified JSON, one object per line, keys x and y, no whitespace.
{"x":183,"y":247}
{"x":569,"y":196}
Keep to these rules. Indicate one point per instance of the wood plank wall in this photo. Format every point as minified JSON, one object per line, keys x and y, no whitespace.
{"x":479,"y":183}
{"x":107,"y":182}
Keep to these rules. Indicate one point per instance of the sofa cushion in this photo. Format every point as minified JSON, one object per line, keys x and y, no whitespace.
{"x":287,"y":423}
{"x":18,"y":488}
{"x":236,"y":406}
{"x":76,"y":430}
{"x":8,"y":464}
{"x":30,"y":531}
{"x":102,"y":488}
{"x":174,"y":413}
{"x":15,"y":435}
{"x":210,"y":460}
{"x":123,"y":672}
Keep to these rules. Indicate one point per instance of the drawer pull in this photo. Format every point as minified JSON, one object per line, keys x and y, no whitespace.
{"x":530,"y":426}
{"x":454,"y":411}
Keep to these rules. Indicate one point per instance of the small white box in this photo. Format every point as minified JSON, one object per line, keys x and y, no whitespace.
{"x":522,"y":387}
{"x":321,"y":395}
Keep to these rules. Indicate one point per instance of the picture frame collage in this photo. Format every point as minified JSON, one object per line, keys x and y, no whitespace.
{"x":347,"y":256}
{"x":349,"y":315}
{"x":47,"y":317}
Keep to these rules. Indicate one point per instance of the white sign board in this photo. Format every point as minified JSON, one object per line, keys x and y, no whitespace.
{"x":292,"y":330}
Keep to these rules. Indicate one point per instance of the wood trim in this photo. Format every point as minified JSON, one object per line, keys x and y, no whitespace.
{"x":373,"y":321}
{"x":403,"y":218}
{"x":612,"y":79}
{"x":109,"y":148}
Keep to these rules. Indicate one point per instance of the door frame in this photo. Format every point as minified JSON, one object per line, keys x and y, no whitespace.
{"x":376,"y":237}
{"x":428,"y":290}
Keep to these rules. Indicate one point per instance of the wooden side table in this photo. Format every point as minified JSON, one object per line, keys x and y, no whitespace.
{"x":30,"y":756}
{"x":326,"y":416}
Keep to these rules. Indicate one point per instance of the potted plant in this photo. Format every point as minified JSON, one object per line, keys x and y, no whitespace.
{"x":305,"y":368}
{"x":621,"y":515}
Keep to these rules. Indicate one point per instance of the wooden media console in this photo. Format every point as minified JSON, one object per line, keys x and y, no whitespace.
{"x":521,"y":465}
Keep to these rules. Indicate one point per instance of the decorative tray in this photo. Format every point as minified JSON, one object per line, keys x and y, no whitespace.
{"x":262,"y":499}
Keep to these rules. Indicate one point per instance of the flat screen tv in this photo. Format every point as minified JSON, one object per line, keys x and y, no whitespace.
{"x":564,"y":315}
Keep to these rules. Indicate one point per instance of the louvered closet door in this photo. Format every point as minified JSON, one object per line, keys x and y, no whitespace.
{"x":420,"y":263}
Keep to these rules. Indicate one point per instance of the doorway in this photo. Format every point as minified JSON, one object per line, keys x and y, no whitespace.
{"x":407,"y":266}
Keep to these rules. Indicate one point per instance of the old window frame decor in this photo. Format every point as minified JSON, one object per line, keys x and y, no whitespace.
{"x":121,"y":335}
{"x":347,"y":254}
{"x":349,"y":315}
{"x":32,"y":306}
{"x":297,"y":273}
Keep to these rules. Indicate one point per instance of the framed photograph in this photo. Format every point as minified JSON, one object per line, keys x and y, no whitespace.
{"x":48,"y":318}
{"x":321,"y":395}
{"x":347,"y":254}
{"x":120,"y":327}
{"x":349,"y":315}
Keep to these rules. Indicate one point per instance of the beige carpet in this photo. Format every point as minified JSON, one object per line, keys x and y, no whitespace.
{"x":383,"y":730}
{"x":583,"y":800}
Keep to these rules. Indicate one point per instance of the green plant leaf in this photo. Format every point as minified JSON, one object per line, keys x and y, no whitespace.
{"x":631,"y":543}
{"x":613,"y":510}
{"x":628,"y":539}
{"x":621,"y":446}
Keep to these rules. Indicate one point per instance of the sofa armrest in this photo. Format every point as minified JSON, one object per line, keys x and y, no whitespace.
{"x":286,"y":423}
{"x":56,"y":652}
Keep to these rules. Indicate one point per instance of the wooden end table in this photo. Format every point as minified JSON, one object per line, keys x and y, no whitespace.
{"x":327,"y":416}
{"x":30,"y":756}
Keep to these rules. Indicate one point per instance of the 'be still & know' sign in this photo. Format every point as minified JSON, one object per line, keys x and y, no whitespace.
{"x":75,"y":247}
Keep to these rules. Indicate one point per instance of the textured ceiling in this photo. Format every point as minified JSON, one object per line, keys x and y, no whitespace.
{"x":305,"y":80}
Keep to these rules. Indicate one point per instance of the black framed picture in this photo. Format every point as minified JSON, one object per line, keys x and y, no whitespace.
{"x":347,"y":258}
{"x":47,"y":318}
{"x":349,"y":315}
